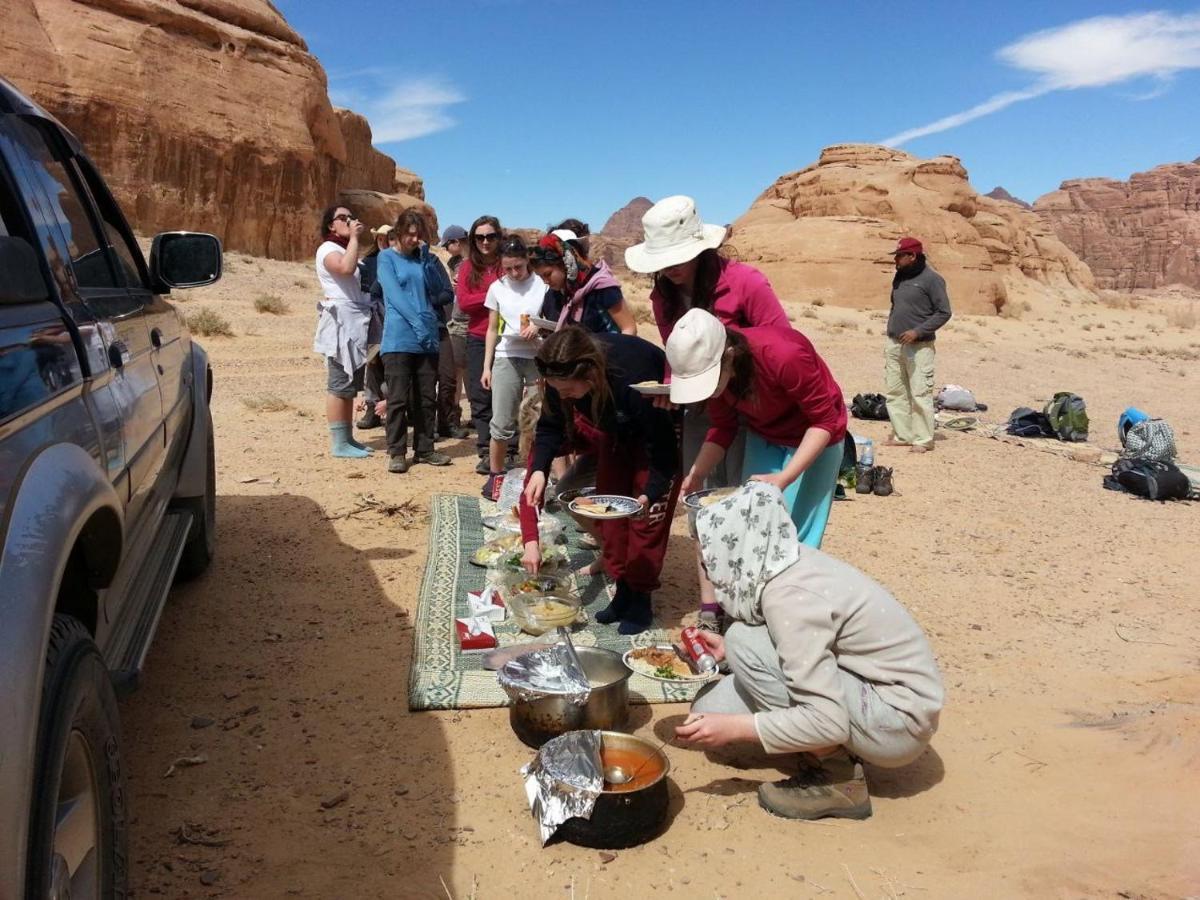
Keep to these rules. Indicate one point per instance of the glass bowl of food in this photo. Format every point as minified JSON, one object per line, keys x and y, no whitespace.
{"x":539,"y":613}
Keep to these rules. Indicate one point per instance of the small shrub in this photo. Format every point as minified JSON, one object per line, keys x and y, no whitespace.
{"x":809,"y":313}
{"x":301,"y":283}
{"x":849,"y":324}
{"x":209,"y":323}
{"x":1182,"y":316}
{"x":265,"y":403}
{"x":818,"y":302}
{"x":270,"y":303}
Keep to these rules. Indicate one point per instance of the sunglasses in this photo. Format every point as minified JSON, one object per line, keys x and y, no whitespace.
{"x":345,"y":217}
{"x":492,"y":236}
{"x":561,"y":369}
{"x":544,"y":255}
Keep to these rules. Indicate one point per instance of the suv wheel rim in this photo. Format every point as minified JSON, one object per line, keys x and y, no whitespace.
{"x":77,"y":826}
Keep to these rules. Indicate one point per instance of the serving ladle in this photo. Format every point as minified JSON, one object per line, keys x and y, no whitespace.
{"x":617,"y":774}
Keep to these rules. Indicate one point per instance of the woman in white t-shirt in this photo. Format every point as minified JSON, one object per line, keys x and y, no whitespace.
{"x":509,"y":348}
{"x":344,"y":325}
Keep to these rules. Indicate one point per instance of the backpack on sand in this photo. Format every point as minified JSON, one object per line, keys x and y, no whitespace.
{"x":957,"y":398}
{"x":1027,"y":423}
{"x":869,"y":406}
{"x":1151,"y":439}
{"x":1152,"y":480}
{"x":1068,"y":416}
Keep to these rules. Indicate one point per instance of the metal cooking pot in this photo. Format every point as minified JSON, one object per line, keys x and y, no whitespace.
{"x":536,"y":721}
{"x":627,"y":818}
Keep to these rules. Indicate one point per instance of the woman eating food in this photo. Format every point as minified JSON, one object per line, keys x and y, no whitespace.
{"x":589,"y":405}
{"x":825,"y":663}
{"x":774,"y":382}
{"x":684,"y":255}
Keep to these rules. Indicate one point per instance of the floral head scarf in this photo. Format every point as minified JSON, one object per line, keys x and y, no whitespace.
{"x":746,"y":540}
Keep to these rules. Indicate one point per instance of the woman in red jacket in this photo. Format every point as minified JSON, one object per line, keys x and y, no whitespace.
{"x":475,"y":275}
{"x":775,"y":383}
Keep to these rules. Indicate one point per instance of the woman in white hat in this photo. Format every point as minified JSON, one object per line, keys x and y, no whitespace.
{"x":775,"y":383}
{"x":825,"y":662}
{"x":682,"y":252}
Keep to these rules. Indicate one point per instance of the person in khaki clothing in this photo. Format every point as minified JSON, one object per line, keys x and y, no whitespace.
{"x":920,"y":306}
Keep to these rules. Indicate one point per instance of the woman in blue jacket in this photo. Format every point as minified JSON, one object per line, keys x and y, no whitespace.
{"x":414,"y":283}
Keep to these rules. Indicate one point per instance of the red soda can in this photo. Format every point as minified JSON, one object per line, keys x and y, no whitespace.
{"x":697,"y":650}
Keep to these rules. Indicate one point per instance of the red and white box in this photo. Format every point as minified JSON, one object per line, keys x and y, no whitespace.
{"x":487,"y":603}
{"x":475,"y":635}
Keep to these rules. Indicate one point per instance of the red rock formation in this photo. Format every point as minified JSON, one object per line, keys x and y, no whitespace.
{"x":827,"y":232}
{"x":999,"y":193}
{"x":1138,"y":234}
{"x":626,"y":223}
{"x":204,"y":114}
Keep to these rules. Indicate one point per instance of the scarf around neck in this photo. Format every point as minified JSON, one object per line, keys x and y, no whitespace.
{"x":910,"y":271}
{"x":746,"y":540}
{"x":599,"y":277}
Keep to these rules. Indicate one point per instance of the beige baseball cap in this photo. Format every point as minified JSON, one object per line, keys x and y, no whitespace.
{"x":694,"y":352}
{"x":382,"y":229}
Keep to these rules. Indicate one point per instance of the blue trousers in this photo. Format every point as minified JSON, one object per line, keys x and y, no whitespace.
{"x":808,"y":498}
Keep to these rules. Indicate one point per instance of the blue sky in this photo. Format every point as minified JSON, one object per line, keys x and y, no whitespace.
{"x":538,"y":111}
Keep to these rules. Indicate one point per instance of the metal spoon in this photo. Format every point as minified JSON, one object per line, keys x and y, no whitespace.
{"x":565,"y":633}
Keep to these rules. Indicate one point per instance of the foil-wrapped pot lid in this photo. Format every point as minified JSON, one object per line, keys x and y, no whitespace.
{"x":564,"y":780}
{"x":538,"y":673}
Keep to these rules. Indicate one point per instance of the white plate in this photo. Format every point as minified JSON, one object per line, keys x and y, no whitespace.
{"x":689,"y":679}
{"x":547,"y":324}
{"x":621,"y":507}
{"x":653,"y":390}
{"x":692,"y":500}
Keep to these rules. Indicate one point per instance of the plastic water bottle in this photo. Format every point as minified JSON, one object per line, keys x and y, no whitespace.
{"x":866,"y":452}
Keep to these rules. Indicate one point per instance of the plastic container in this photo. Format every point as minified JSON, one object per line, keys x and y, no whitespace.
{"x":866,"y":450}
{"x":539,"y":613}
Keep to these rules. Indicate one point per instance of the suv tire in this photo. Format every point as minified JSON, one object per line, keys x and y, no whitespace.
{"x":202,"y":539}
{"x":77,"y":817}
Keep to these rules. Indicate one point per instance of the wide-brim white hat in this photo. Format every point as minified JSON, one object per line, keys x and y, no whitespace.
{"x":674,"y":234}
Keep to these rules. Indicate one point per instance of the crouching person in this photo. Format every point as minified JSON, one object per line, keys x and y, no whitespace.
{"x":825,"y":663}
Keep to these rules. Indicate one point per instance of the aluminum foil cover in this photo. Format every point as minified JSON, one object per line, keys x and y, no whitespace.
{"x":533,"y":675}
{"x":564,"y":780}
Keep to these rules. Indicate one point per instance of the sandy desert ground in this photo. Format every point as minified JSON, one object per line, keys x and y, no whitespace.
{"x":1064,"y":618}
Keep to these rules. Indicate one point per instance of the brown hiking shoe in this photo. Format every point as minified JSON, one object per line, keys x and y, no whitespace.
{"x":837,"y":789}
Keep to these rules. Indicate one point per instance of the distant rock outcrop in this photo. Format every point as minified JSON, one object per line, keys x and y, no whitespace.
{"x":1143,"y":233}
{"x":999,"y":193}
{"x":623,"y":229}
{"x":827,"y":232}
{"x":203,"y":114}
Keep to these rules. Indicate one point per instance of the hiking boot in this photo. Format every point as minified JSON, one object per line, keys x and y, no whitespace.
{"x":617,"y":608}
{"x":864,"y":479}
{"x":836,"y":788}
{"x":456,"y":433}
{"x":483,"y":467}
{"x":882,"y":481}
{"x":398,"y":465}
{"x":368,"y":421}
{"x":491,"y":487}
{"x":432,"y":458}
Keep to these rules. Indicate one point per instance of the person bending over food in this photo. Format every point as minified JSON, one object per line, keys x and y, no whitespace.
{"x":825,"y":662}
{"x":782,"y":390}
{"x":589,"y":405}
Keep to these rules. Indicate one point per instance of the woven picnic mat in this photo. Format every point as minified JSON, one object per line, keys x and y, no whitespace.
{"x":443,"y":678}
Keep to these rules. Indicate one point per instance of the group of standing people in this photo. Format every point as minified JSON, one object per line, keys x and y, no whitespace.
{"x":844,"y":676}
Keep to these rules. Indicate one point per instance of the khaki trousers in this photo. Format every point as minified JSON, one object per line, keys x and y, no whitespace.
{"x":908,"y":386}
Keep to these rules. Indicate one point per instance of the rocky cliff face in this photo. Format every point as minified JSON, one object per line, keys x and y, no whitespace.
{"x":827,"y":232}
{"x":202,"y":114}
{"x":1143,"y":233}
{"x":623,"y":229}
{"x":999,"y":193}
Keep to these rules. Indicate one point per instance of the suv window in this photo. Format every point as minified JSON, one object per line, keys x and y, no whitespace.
{"x":126,"y":253}
{"x":22,"y":281}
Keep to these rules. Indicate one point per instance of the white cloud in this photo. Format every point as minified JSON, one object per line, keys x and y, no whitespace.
{"x":400,"y":110}
{"x":1096,"y":52}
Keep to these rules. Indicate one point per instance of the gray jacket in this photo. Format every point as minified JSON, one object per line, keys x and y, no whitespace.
{"x":919,"y":303}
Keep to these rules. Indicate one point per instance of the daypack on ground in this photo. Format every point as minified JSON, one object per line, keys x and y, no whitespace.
{"x":869,"y":406}
{"x":1153,"y":480}
{"x":1068,"y":416}
{"x":1151,"y":439}
{"x":1026,"y":422}
{"x":957,"y":398}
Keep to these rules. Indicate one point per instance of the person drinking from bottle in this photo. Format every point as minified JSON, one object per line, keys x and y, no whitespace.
{"x":774,"y":382}
{"x":826,"y":664}
{"x":590,"y":406}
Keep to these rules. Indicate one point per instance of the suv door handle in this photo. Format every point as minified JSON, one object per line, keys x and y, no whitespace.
{"x":156,"y":337}
{"x":116,"y":354}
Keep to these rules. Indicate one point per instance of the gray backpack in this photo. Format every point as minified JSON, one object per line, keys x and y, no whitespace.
{"x":1150,"y":439}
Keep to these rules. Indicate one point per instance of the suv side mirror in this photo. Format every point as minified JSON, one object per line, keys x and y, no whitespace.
{"x":22,"y":281}
{"x":185,"y":259}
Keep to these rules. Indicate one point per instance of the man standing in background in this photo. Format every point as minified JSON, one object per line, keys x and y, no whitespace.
{"x":920,"y":306}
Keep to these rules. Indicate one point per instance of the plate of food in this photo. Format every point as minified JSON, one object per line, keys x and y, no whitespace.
{"x":544,"y":324}
{"x":490,"y":552}
{"x":701,"y":499}
{"x":662,"y":662}
{"x":652,"y":388}
{"x":605,"y":506}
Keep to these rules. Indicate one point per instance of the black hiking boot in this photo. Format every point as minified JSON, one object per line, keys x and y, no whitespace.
{"x":368,"y":421}
{"x":398,"y":465}
{"x":432,"y":458}
{"x":864,"y":479}
{"x":639,"y":615}
{"x":615,"y":611}
{"x":883,"y":481}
